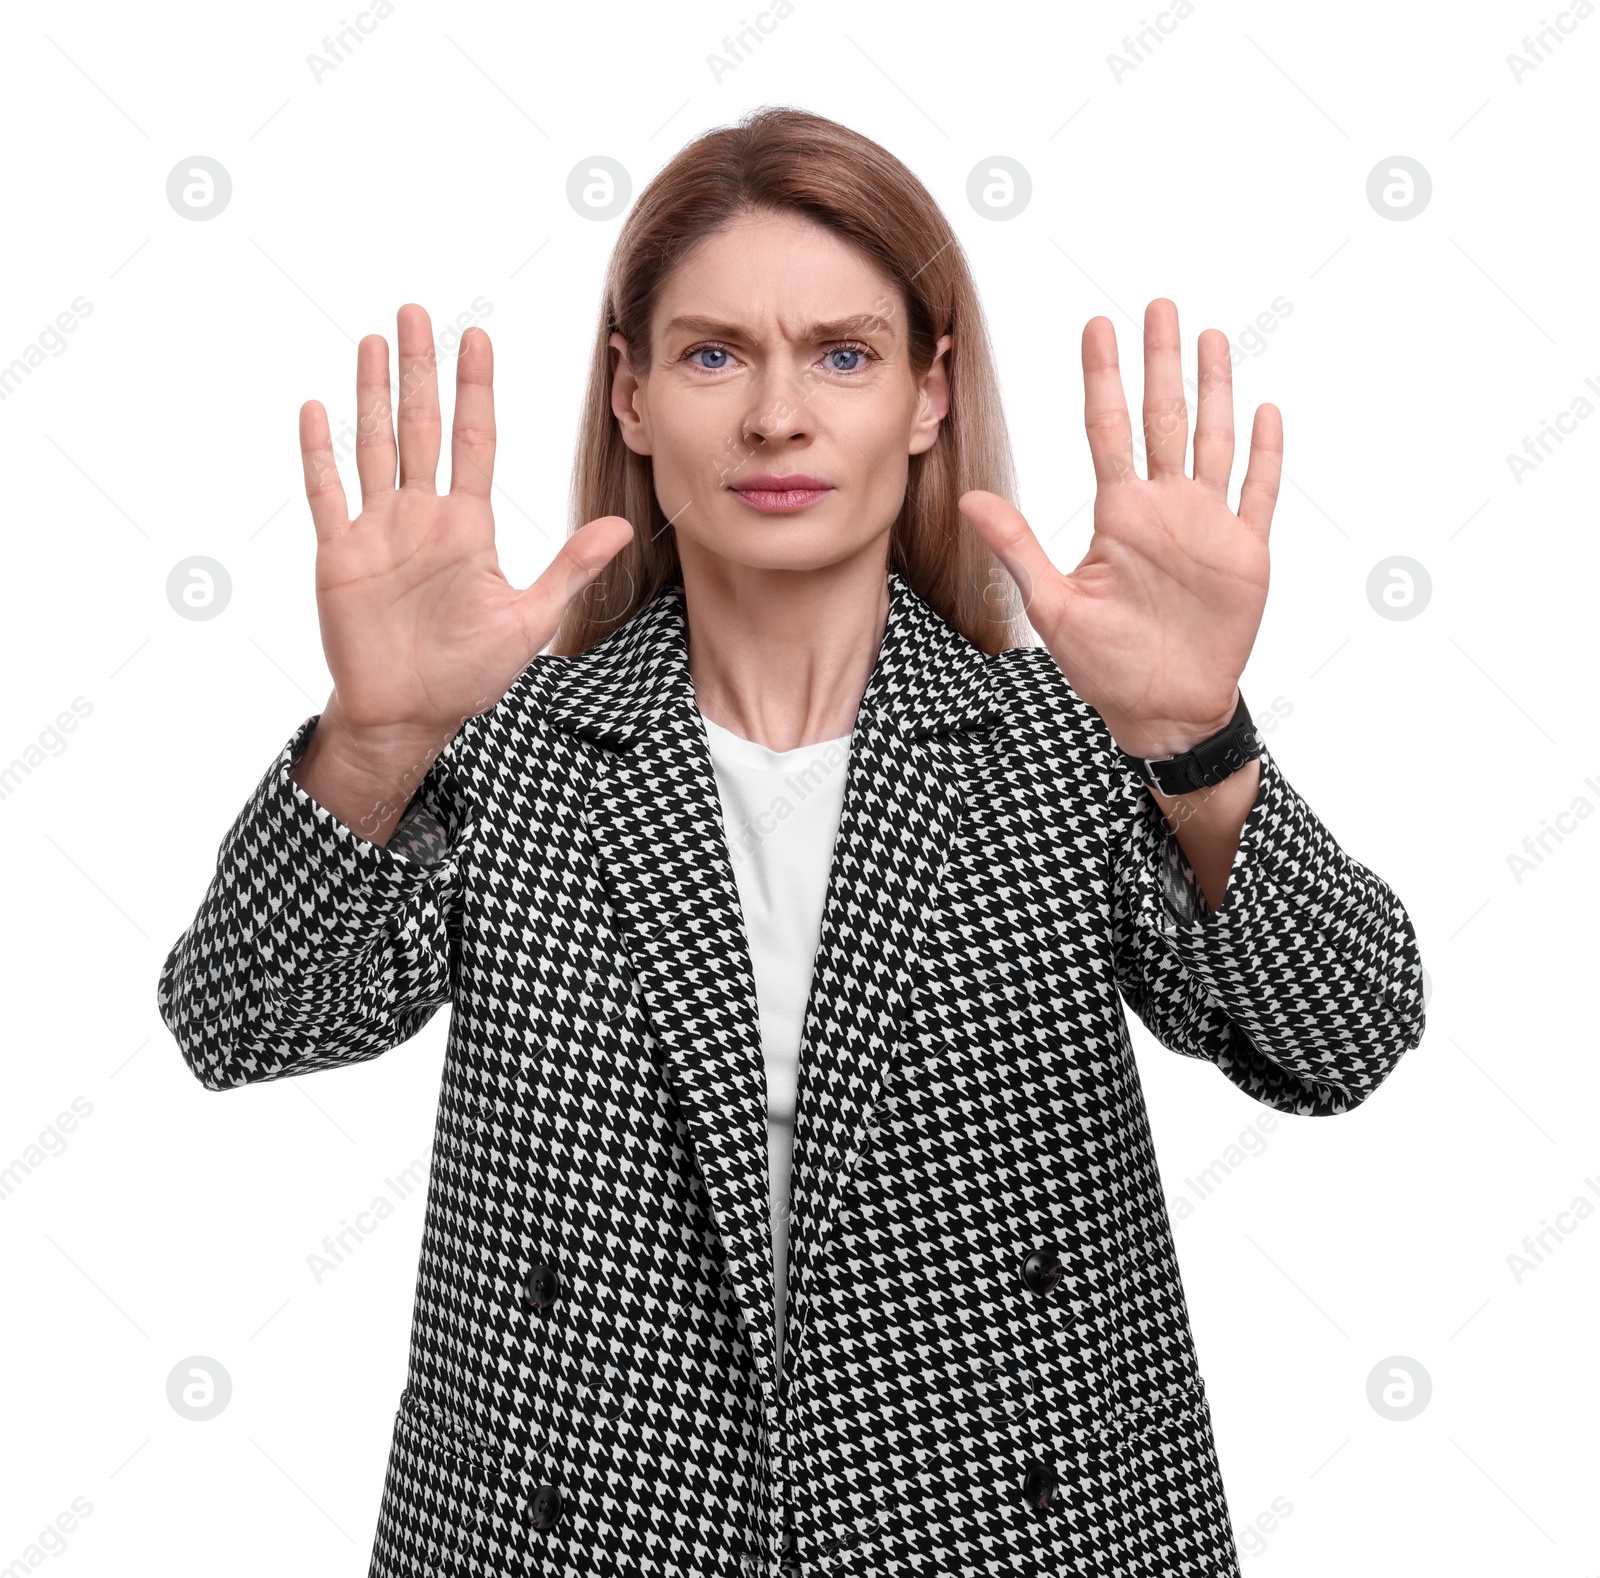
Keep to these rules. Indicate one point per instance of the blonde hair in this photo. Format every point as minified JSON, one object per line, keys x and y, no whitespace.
{"x":790,"y":161}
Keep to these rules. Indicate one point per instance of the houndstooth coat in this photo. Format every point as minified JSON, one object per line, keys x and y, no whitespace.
{"x":989,"y":1366}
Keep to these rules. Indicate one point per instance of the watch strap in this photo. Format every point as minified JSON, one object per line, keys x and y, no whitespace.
{"x":1205,"y":764}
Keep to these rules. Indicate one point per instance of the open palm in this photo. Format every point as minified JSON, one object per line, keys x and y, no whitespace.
{"x":420,"y":628}
{"x":1154,"y":625}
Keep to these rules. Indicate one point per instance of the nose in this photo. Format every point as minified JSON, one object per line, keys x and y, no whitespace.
{"x":779,"y":407}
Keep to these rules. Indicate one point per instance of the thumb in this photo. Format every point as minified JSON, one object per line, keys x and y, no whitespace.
{"x":1006,"y":530}
{"x":576,"y":565}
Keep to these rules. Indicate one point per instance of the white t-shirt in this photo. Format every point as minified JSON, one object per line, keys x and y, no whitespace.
{"x":780,"y":811}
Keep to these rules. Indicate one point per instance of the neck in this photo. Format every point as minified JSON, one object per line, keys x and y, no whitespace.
{"x":783,"y":656}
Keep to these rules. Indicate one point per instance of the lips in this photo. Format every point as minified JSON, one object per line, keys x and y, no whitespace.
{"x":775,"y":494}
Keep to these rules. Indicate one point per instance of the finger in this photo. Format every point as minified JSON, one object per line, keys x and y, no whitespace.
{"x":1105,"y":410}
{"x":1213,"y":424}
{"x":580,"y":559}
{"x":472,"y":432}
{"x":324,"y":490}
{"x":374,"y":420}
{"x":1005,"y":529}
{"x":419,"y":400}
{"x":1166,"y":416}
{"x":1259,"y":492}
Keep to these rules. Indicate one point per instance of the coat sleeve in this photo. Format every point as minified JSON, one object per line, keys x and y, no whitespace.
{"x":1304,"y":987}
{"x":314,"y":947}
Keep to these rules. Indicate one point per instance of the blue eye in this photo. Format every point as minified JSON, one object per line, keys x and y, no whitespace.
{"x":862,"y":353}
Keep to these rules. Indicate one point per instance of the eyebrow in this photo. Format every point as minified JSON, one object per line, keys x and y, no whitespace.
{"x":832,"y":329}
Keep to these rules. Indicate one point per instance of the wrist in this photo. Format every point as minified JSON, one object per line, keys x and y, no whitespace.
{"x":1203,"y":762}
{"x":381,"y":753}
{"x":365,"y":778}
{"x":1162,"y":737}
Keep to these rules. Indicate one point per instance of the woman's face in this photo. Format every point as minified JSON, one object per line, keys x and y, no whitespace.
{"x":778,"y":353}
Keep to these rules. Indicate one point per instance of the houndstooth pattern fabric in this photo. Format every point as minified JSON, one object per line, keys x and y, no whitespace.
{"x":590,"y":1386}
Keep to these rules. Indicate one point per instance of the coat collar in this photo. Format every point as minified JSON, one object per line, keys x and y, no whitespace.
{"x":928,"y":678}
{"x":654,"y":818}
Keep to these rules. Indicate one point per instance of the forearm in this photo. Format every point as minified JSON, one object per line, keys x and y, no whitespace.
{"x":313,"y":946}
{"x":1305,"y":986}
{"x":1208,"y":822}
{"x":367,"y":784}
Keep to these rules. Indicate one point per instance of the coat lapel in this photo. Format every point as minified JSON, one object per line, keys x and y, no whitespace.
{"x":902,"y":808}
{"x":655,"y":819}
{"x":656,"y":823}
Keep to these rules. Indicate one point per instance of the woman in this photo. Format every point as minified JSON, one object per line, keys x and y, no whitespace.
{"x":795,"y":478}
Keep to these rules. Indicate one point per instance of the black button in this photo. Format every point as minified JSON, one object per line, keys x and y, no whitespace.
{"x":1042,"y":1269}
{"x":542,"y":1285}
{"x":545,"y":1507}
{"x":1037,"y":1485}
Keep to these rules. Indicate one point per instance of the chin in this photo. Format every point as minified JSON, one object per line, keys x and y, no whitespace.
{"x":777,"y":545}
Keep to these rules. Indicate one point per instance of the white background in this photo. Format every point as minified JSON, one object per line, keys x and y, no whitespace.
{"x":1226,"y":170}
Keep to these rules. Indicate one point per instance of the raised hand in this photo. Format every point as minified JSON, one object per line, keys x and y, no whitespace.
{"x":420,"y":628}
{"x":1154,"y":625}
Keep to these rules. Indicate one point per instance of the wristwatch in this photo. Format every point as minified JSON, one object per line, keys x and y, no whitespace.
{"x":1205,"y":764}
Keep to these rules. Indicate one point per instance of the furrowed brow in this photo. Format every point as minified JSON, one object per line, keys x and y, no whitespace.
{"x":832,"y":329}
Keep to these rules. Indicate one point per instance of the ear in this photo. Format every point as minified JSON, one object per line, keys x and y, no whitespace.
{"x":627,"y":399}
{"x":933,"y":399}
